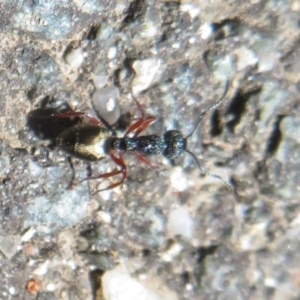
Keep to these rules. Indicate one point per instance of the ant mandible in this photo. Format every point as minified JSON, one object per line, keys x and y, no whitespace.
{"x":93,"y":139}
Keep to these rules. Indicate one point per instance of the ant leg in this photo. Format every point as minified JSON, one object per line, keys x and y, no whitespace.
{"x":140,"y":119}
{"x":120,"y":162}
{"x":133,"y":127}
{"x":106,"y":175}
{"x":71,"y":184}
{"x":144,"y":125}
{"x":139,"y":126}
{"x":139,"y":107}
{"x":144,"y":160}
{"x":73,"y":114}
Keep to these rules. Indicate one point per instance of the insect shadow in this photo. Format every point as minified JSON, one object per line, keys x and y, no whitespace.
{"x":46,"y":126}
{"x":89,"y":138}
{"x":42,"y":124}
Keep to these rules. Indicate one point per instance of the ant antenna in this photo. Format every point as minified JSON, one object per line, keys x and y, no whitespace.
{"x":212,"y":107}
{"x":203,"y":171}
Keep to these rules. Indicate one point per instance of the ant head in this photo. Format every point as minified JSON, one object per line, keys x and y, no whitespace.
{"x":175,"y":144}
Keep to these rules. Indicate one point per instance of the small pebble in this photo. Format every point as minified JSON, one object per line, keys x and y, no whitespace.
{"x":206,"y":30}
{"x":145,"y":72}
{"x":178,"y":179}
{"x":12,"y":291}
{"x":28,"y":234}
{"x":180,"y":223}
{"x":245,"y":58}
{"x":112,"y":52}
{"x":34,"y":168}
{"x":106,"y":103}
{"x":75,"y":58}
{"x":99,"y":81}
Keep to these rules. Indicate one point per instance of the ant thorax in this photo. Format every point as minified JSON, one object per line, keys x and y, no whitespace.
{"x":146,"y":145}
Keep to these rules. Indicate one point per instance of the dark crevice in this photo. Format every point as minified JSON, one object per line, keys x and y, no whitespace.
{"x":6,"y":211}
{"x":185,"y":277}
{"x":163,"y":38}
{"x":262,"y":176}
{"x":200,"y":256}
{"x":95,"y":279}
{"x":170,"y":12}
{"x":170,"y":16}
{"x":238,"y":107}
{"x":127,"y":65}
{"x":31,"y":93}
{"x":226,"y":28}
{"x":92,"y":34}
{"x":275,"y":137}
{"x":146,"y":253}
{"x":216,"y":127}
{"x":90,"y":232}
{"x":134,"y":11}
{"x":203,"y":252}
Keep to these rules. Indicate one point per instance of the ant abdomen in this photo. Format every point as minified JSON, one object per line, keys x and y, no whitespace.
{"x":84,"y":141}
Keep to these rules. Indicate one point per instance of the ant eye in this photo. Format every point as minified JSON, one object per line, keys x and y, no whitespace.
{"x":175,"y":144}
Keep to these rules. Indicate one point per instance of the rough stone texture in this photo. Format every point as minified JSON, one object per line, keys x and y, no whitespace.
{"x":235,"y":245}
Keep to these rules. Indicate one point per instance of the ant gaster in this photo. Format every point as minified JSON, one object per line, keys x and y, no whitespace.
{"x":93,"y":139}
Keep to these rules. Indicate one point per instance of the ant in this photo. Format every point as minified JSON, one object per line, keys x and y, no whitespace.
{"x":93,"y":139}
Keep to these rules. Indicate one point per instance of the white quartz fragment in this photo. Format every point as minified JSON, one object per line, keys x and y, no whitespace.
{"x":206,"y":31}
{"x":254,"y":237}
{"x":192,"y":9}
{"x":12,"y":290}
{"x":245,"y":58}
{"x":9,"y":245}
{"x":104,"y":32}
{"x":178,"y":179}
{"x":172,"y":252}
{"x":118,"y":284}
{"x":34,"y":169}
{"x":112,"y":52}
{"x":145,"y":72}
{"x":106,"y":103}
{"x":99,"y":81}
{"x":105,"y":217}
{"x":75,"y":58}
{"x":28,"y":234}
{"x":180,"y":223}
{"x":42,"y":269}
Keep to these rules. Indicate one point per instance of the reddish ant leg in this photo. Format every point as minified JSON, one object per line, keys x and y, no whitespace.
{"x":144,"y":125}
{"x":120,"y":162}
{"x":106,"y":175}
{"x":144,"y":160}
{"x":139,"y":126}
{"x":133,"y":127}
{"x":139,"y":106}
{"x":72,"y":114}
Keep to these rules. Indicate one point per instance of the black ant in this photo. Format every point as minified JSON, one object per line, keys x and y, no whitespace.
{"x":93,"y":139}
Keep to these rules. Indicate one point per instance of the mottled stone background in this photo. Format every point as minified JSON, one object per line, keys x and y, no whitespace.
{"x":168,"y":232}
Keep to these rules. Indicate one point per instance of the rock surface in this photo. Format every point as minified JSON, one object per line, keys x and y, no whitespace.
{"x":167,"y":233}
